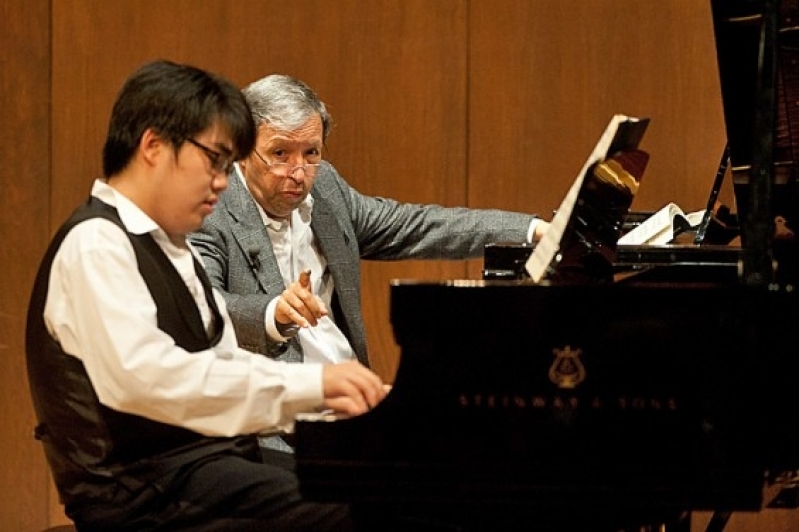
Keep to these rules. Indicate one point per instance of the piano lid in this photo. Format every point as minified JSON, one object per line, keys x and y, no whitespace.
{"x":757,"y":46}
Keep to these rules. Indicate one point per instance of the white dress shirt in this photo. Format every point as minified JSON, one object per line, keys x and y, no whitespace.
{"x":296,"y":250}
{"x":100,"y":310}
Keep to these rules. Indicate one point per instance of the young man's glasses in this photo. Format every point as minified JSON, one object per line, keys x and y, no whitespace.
{"x":219,"y":162}
{"x":287,"y":169}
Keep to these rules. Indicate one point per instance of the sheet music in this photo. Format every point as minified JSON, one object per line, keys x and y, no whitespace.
{"x":612,"y":137}
{"x":663,"y":226}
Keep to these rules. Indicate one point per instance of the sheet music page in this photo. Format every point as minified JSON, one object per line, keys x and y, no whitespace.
{"x":661,"y":227}
{"x":545,"y":250}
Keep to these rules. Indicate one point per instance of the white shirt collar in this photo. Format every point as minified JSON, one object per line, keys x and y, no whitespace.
{"x":133,"y":218}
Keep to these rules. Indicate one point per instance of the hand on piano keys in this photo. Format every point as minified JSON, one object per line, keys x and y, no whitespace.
{"x":350,"y":388}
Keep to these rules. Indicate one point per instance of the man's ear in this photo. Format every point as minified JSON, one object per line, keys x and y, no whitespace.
{"x":151,"y":147}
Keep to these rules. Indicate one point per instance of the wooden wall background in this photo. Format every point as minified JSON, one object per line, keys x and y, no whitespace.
{"x":485,"y":103}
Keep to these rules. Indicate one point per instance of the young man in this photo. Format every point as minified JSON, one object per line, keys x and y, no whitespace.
{"x":147,"y":407}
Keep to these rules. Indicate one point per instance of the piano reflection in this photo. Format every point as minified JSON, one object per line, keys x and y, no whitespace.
{"x":643,"y":385}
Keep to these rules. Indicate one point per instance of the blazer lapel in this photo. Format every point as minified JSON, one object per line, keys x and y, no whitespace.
{"x":250,"y":234}
{"x":334,"y":243}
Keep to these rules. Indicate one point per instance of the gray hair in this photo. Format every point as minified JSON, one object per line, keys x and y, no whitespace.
{"x":285,"y":103}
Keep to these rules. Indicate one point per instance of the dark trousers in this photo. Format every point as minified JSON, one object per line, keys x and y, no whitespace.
{"x":218,"y":494}
{"x":374,"y":517}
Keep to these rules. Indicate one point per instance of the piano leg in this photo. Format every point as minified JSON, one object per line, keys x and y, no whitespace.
{"x":718,"y":521}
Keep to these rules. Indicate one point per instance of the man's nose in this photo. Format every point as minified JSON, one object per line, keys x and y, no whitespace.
{"x":297,"y":173}
{"x":220,"y":181}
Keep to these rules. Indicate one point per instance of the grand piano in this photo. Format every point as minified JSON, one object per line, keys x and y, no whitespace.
{"x":658,"y":383}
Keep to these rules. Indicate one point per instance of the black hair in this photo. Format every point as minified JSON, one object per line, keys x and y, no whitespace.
{"x":177,"y":102}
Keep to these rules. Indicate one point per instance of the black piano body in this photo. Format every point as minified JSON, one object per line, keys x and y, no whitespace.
{"x":605,"y":398}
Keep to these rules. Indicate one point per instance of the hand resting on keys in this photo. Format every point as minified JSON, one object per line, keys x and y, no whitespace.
{"x":350,"y":388}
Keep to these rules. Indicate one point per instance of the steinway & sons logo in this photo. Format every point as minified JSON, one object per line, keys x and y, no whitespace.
{"x":567,"y":372}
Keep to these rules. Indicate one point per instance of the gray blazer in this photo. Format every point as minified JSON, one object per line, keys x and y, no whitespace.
{"x":348,"y":227}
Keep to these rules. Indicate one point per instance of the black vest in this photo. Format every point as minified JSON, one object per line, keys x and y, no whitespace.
{"x":91,"y":448}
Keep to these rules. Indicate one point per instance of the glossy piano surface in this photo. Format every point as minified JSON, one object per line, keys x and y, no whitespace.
{"x":603,"y":396}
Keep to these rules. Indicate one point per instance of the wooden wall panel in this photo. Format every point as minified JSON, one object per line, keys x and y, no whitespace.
{"x":24,"y":231}
{"x":546,"y":76}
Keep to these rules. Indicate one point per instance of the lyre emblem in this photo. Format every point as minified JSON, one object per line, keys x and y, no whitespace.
{"x":567,"y":371}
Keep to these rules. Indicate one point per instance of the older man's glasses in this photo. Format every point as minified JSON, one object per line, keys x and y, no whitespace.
{"x":219,"y":162}
{"x":281,"y":169}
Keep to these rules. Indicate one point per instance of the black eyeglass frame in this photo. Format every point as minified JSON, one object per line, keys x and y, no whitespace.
{"x":219,"y":163}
